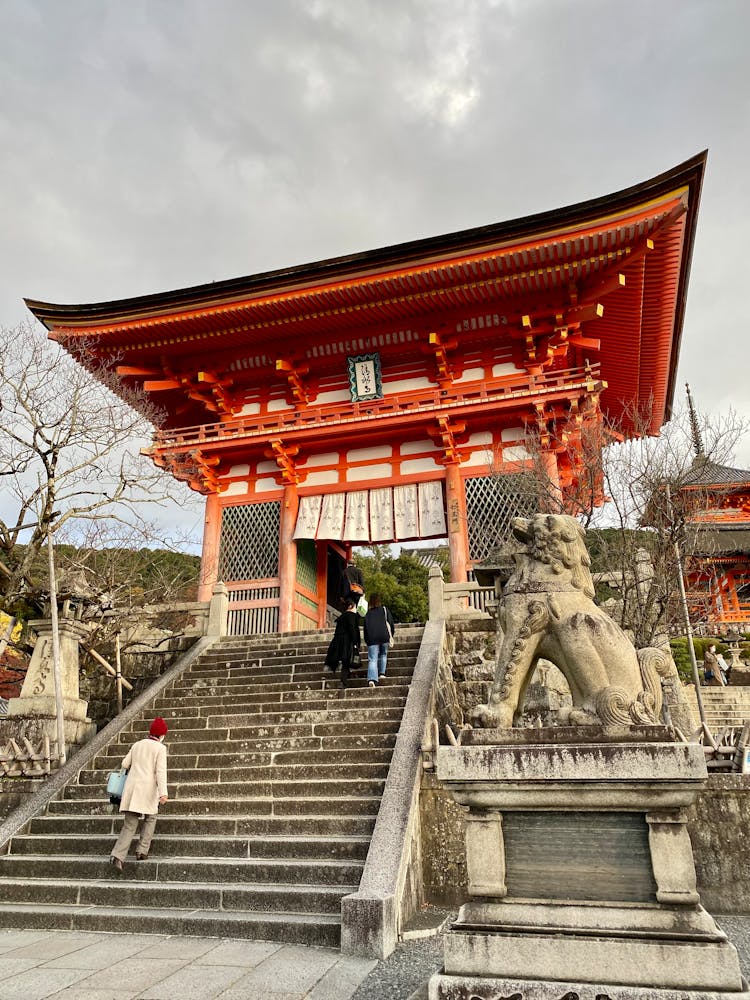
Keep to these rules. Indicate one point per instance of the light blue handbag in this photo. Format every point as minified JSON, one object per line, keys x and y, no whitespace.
{"x":116,"y":784}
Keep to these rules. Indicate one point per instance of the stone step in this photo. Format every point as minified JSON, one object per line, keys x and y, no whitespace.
{"x":275,"y":775}
{"x":322,"y":757}
{"x":228,"y":689}
{"x":168,"y":845}
{"x":318,"y":789}
{"x":289,"y":715}
{"x":214,"y":805}
{"x":257,"y":680}
{"x":210,"y":826}
{"x":125,"y":892}
{"x":273,"y":744}
{"x":270,"y":772}
{"x":260,"y":704}
{"x":319,"y":929}
{"x":301,"y":871}
{"x":288,"y":731}
{"x":313,"y":660}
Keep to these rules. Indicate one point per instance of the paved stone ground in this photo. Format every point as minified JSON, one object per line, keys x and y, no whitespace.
{"x":73,"y":965}
{"x":70,"y":965}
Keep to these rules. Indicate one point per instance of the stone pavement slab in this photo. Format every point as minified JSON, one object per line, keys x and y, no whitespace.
{"x":199,"y":982}
{"x":67,"y":965}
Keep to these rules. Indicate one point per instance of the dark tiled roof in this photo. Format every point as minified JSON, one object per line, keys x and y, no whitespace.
{"x":704,"y":472}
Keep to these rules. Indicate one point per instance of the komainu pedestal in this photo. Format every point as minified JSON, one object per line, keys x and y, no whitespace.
{"x":581,"y":876}
{"x":35,"y":709}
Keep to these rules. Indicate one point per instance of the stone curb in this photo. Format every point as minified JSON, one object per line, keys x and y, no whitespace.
{"x":370,"y":916}
{"x":17,"y":820}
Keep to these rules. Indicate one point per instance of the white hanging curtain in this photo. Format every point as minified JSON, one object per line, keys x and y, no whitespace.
{"x":356,"y":522}
{"x":307,"y":517}
{"x":405,"y":512}
{"x":431,"y":510}
{"x":331,"y":524}
{"x":381,"y":515}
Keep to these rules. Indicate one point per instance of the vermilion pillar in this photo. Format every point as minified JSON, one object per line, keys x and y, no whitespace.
{"x":210,"y":552}
{"x":458,"y":534}
{"x":287,"y":558}
{"x":552,"y":473}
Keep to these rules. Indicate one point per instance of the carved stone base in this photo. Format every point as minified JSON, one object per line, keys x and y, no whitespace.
{"x":34,"y":712}
{"x":35,"y":726}
{"x":581,"y":875}
{"x":481,"y":988}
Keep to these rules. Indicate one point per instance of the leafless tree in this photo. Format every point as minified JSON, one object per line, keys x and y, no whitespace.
{"x":69,"y":453}
{"x":616,"y":484}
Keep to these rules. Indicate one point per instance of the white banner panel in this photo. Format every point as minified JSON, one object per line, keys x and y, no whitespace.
{"x":307,"y":517}
{"x":405,"y":512}
{"x":331,"y":522}
{"x":431,"y":510}
{"x":381,"y":515}
{"x":357,"y":521}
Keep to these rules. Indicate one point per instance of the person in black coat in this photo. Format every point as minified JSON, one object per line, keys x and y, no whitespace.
{"x":344,"y":646}
{"x":379,"y":629}
{"x":352,"y":583}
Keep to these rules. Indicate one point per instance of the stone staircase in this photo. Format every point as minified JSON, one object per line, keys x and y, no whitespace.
{"x":724,"y":706}
{"x":275,"y":780}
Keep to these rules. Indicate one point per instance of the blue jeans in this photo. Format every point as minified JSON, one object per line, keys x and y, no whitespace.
{"x":377,"y":656}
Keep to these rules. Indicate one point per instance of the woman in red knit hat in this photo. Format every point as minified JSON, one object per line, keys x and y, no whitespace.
{"x":145,"y":790}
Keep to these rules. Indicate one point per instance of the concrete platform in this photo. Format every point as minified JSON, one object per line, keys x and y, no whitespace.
{"x":72,"y":965}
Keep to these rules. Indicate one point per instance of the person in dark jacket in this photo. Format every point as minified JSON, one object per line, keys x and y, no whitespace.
{"x":344,"y":646}
{"x":379,"y":629}
{"x":352,"y":583}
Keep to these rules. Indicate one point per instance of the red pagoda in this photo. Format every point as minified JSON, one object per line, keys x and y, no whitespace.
{"x":375,"y":397}
{"x":717,"y":500}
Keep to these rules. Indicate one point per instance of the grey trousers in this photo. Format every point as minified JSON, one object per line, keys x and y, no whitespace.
{"x":129,"y":829}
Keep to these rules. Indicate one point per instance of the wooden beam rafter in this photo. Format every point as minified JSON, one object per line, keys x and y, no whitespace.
{"x":284,"y":456}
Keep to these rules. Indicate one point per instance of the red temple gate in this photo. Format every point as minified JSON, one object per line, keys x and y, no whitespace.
{"x":377,"y":397}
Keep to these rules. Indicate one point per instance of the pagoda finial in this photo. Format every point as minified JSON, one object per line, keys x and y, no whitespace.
{"x":697,"y":440}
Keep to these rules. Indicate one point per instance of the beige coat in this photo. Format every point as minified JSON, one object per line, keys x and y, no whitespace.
{"x":146,"y":762}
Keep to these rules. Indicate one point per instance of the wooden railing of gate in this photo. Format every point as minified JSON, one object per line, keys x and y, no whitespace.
{"x":253,"y":607}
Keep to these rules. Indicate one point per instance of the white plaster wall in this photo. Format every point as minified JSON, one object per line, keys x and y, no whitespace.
{"x":266,"y":467}
{"x":278,"y":404}
{"x":471,"y":375}
{"x":368,"y":454}
{"x":235,"y":490}
{"x":481,"y":458}
{"x":365,"y":472}
{"x":406,"y":384}
{"x":249,"y":409}
{"x":481,"y":437}
{"x":323,"y":478}
{"x":334,"y":396}
{"x":266,"y":485}
{"x":415,"y":465}
{"x":513,"y":434}
{"x":331,"y":458}
{"x":516,"y":454}
{"x":506,"y":368}
{"x":418,"y":447}
{"x":238,"y":470}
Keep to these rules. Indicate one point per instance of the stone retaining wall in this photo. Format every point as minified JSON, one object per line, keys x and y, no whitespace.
{"x":140,"y":667}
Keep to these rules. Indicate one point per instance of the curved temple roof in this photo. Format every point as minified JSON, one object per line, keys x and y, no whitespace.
{"x":618,"y":265}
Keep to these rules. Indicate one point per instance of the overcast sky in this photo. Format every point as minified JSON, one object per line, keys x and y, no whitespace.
{"x":156,"y":144}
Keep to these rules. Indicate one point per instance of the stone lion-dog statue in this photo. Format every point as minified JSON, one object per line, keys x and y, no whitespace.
{"x":548,"y":612}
